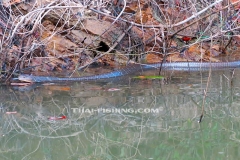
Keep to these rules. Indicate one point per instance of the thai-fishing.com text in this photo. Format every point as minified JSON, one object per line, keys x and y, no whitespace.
{"x":115,"y":110}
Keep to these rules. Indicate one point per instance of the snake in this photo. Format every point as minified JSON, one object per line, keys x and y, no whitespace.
{"x":133,"y":68}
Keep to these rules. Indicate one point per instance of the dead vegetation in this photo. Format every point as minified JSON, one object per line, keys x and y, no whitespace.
{"x":71,"y":34}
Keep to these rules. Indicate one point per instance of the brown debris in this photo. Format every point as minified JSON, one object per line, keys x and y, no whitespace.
{"x":66,"y":35}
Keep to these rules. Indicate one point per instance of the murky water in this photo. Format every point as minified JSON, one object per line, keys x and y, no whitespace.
{"x":125,"y":119}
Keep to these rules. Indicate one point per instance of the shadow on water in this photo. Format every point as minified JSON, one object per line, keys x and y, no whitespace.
{"x":137,"y":119}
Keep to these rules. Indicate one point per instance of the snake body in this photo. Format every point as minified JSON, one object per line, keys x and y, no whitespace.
{"x":180,"y":66}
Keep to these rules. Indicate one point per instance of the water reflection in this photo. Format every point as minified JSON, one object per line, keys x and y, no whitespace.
{"x":158,"y":120}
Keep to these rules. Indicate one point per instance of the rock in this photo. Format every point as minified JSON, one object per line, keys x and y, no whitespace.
{"x":96,"y":27}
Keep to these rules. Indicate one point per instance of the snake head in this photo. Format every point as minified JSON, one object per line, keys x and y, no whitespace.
{"x":26,"y":78}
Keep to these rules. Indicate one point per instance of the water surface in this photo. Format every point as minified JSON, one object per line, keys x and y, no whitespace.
{"x":124,"y":119}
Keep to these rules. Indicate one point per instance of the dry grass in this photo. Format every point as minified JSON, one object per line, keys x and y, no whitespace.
{"x":22,"y":26}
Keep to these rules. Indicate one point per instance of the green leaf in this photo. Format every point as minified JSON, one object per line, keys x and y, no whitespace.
{"x":148,"y":77}
{"x":204,"y":37}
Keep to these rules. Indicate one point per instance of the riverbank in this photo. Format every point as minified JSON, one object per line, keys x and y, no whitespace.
{"x":59,"y":36}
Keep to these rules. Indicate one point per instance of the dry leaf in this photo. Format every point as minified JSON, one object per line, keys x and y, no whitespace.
{"x":153,"y":58}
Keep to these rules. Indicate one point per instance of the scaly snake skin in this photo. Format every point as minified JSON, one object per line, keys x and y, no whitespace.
{"x":180,"y":66}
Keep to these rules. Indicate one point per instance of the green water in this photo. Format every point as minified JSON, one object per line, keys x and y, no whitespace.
{"x":125,"y":119}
